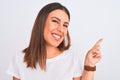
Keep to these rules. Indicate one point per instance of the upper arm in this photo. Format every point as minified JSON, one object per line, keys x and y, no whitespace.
{"x":14,"y":78}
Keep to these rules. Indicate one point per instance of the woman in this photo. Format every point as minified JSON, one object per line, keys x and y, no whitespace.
{"x":47,"y":57}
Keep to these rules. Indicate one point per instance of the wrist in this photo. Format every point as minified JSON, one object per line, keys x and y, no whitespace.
{"x":89,"y":68}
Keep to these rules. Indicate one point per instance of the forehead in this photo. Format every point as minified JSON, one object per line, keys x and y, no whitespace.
{"x":61,"y":14}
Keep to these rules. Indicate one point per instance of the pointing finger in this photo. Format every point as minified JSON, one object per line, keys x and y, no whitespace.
{"x":97,"y":44}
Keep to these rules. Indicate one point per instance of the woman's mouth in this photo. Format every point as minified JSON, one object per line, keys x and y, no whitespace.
{"x":56,"y":36}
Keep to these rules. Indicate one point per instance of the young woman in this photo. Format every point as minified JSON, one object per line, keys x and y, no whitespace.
{"x":47,"y":57}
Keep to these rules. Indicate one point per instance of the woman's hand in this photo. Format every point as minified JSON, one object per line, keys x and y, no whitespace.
{"x":94,"y":55}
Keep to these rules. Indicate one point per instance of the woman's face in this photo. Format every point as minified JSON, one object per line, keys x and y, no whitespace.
{"x":56,"y":27}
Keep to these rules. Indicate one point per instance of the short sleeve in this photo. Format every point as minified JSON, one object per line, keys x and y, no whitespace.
{"x":78,"y":66}
{"x":13,"y":69}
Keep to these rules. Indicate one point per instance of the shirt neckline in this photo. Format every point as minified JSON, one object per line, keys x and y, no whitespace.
{"x":56,"y":57}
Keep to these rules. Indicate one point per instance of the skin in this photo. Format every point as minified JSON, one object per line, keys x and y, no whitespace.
{"x":56,"y":27}
{"x":14,"y":78}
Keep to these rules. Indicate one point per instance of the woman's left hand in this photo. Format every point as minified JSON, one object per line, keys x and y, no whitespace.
{"x":94,"y":55}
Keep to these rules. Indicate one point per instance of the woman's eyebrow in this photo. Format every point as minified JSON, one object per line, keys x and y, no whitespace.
{"x":56,"y":18}
{"x":60,"y":20}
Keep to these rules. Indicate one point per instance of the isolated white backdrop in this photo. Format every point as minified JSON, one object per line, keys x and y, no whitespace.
{"x":90,"y":20}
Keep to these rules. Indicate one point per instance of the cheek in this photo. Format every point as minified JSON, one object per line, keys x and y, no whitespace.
{"x":48,"y":25}
{"x":48,"y":28}
{"x":65,"y":32}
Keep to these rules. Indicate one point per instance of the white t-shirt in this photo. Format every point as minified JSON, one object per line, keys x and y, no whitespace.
{"x":65,"y":66}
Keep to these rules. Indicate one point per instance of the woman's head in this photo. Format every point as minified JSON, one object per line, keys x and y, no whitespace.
{"x":41,"y":21}
{"x":56,"y":28}
{"x":36,"y":52}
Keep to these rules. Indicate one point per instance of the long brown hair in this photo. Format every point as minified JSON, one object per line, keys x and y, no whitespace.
{"x":36,"y":51}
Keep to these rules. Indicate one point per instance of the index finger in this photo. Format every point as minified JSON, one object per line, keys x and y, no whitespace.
{"x":98,"y":43}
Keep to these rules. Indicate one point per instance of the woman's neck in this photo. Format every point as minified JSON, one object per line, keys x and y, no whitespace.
{"x":52,"y":52}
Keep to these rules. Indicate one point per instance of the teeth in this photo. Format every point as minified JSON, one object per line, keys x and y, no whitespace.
{"x":56,"y":36}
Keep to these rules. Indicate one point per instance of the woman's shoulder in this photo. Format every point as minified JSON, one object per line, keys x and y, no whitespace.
{"x":19,"y":56}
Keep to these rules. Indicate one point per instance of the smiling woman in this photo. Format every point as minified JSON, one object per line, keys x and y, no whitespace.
{"x":48,"y":57}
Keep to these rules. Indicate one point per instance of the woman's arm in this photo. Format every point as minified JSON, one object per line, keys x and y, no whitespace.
{"x":92,"y":58}
{"x":14,"y":78}
{"x":87,"y":75}
{"x":78,"y":78}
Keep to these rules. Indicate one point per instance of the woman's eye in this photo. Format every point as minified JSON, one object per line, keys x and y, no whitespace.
{"x":55,"y":21}
{"x":65,"y":26}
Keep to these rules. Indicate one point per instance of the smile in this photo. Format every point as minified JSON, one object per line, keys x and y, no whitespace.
{"x":56,"y":36}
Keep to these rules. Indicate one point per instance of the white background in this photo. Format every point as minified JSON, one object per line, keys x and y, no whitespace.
{"x":90,"y":20}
